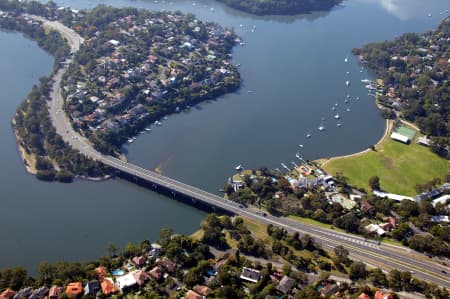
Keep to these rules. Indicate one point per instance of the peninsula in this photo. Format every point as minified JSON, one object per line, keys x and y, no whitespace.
{"x":283,"y":7}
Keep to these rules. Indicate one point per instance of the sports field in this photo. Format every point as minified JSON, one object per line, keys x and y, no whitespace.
{"x":399,"y":166}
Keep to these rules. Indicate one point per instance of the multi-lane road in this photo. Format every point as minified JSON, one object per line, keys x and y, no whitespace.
{"x":382,"y":255}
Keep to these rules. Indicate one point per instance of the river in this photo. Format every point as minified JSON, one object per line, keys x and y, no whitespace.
{"x":293,"y":72}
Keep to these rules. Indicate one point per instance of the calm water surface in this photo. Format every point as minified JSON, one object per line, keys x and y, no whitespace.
{"x":295,"y":70}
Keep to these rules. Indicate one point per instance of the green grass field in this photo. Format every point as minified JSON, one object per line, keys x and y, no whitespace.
{"x":399,"y":166}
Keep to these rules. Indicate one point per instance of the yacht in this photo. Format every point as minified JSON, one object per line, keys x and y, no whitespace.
{"x":321,"y":128}
{"x":339,"y":124}
{"x":337,"y":116}
{"x":239,"y":167}
{"x":147,"y":129}
{"x":346,"y":59}
{"x":308,"y":135}
{"x":347,"y":83}
{"x":300,"y":145}
{"x":365,"y":81}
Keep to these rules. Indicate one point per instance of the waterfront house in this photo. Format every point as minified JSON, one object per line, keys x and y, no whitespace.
{"x":108,"y":287}
{"x":40,"y":293}
{"x":155,"y":251}
{"x":91,"y":288}
{"x":55,"y":292}
{"x":7,"y":294}
{"x":139,"y":261}
{"x":23,"y":293}
{"x":74,"y":289}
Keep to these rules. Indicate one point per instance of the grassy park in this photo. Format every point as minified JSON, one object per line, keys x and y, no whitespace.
{"x":399,"y":166}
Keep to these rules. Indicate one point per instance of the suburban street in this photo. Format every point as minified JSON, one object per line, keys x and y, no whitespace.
{"x":384,"y":255}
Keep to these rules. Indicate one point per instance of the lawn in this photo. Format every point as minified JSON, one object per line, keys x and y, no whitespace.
{"x":399,"y":166}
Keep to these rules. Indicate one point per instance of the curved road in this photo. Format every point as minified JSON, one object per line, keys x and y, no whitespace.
{"x":384,"y":256}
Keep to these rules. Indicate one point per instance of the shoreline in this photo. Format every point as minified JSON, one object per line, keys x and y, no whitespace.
{"x":27,"y":163}
{"x":388,"y":127}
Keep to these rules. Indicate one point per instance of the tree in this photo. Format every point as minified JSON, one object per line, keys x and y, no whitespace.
{"x":374,"y":183}
{"x":112,"y":249}
{"x":357,"y":271}
{"x":47,"y":273}
{"x":341,"y":254}
{"x":377,"y":277}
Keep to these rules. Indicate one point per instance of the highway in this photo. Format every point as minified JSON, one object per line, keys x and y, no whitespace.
{"x":384,"y":256}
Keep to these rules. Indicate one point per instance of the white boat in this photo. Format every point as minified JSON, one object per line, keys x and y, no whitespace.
{"x":242,"y":43}
{"x":300,"y":145}
{"x":368,"y":86}
{"x":297,"y":155}
{"x":339,"y":125}
{"x":337,"y":116}
{"x":430,"y":15}
{"x":249,"y":91}
{"x":347,"y":83}
{"x":239,"y":167}
{"x":365,"y":81}
{"x":130,"y":140}
{"x":158,"y":123}
{"x":357,"y":98}
{"x":148,"y":129}
{"x":165,"y":118}
{"x":348,"y":73}
{"x":346,"y":101}
{"x":348,"y":96}
{"x":348,"y":110}
{"x":308,"y":135}
{"x":346,"y":59}
{"x":321,"y":128}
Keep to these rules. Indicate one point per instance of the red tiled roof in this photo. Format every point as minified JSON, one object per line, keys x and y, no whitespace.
{"x":74,"y":288}
{"x":363,"y":296}
{"x":55,"y":291}
{"x":8,"y":293}
{"x":381,"y":295}
{"x":141,"y":277}
{"x":192,"y":295}
{"x":202,"y":290}
{"x":156,"y":273}
{"x":108,"y":287}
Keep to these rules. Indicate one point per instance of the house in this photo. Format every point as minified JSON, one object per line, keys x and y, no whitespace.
{"x":250,"y":274}
{"x":424,"y":141}
{"x":329,"y":289}
{"x":440,"y":218}
{"x":366,"y":206}
{"x":202,"y":290}
{"x":156,"y":273}
{"x":92,"y":288}
{"x":168,"y":264}
{"x":401,"y":138}
{"x":7,"y":294}
{"x":126,"y":281}
{"x":193,"y":295}
{"x":23,"y":293}
{"x":101,"y":273}
{"x":55,"y":292}
{"x":363,"y":296}
{"x":141,"y":277}
{"x":74,"y":289}
{"x":139,"y":261}
{"x":40,"y":293}
{"x":381,"y":295}
{"x":155,"y":251}
{"x":375,"y":228}
{"x":285,"y":285}
{"x":108,"y":287}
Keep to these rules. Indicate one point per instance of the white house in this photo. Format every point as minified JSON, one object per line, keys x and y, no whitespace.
{"x":126,"y":281}
{"x":399,"y":137}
